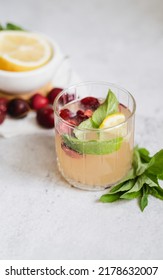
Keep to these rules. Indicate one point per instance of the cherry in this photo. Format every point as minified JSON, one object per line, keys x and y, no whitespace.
{"x":3,"y":104}
{"x":120,"y":106}
{"x":45,"y":117}
{"x":70,"y":97}
{"x":76,"y":120}
{"x":2,"y":116}
{"x":65,"y":114}
{"x":70,"y":152}
{"x":53,"y":94}
{"x":38,"y":101}
{"x":18,"y":108}
{"x":73,"y":121}
{"x":66,"y":98}
{"x":90,"y":102}
{"x":88,"y":113}
{"x":80,"y":113}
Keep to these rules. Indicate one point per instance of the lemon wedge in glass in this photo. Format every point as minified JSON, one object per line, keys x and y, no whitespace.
{"x":23,"y":51}
{"x":116,"y":125}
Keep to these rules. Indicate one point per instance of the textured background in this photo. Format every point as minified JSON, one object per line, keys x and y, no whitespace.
{"x":40,"y":215}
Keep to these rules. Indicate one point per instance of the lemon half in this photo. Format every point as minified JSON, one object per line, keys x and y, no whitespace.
{"x":23,"y":51}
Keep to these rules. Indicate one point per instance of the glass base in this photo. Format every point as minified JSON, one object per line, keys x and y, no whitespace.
{"x":82,"y":186}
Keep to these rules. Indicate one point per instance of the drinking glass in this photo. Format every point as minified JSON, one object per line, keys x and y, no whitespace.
{"x":97,"y":158}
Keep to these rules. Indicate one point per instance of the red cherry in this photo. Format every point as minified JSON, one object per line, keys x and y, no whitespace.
{"x":80,"y":113}
{"x":66,"y":98}
{"x":88,"y":113}
{"x":120,"y":106}
{"x":73,"y":121}
{"x":3,"y":104}
{"x":38,"y":101}
{"x":65,"y":114}
{"x":80,"y":116}
{"x":18,"y":108}
{"x":2,"y":116}
{"x":70,"y":152}
{"x":53,"y":94}
{"x":90,"y":102}
{"x":70,"y":97}
{"x":45,"y":117}
{"x":63,"y":99}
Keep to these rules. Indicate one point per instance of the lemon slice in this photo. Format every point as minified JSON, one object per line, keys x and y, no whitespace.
{"x":23,"y":51}
{"x":113,"y":120}
{"x":117,"y":127}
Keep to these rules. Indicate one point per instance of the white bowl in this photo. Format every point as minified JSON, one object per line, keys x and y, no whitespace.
{"x":29,"y":81}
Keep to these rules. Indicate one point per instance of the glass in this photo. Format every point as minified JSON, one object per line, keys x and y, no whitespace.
{"x":99,"y":170}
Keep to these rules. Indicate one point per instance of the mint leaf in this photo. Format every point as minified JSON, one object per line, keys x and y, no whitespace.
{"x":152,"y":177}
{"x":12,"y":26}
{"x":131,"y":195}
{"x":123,"y":186}
{"x":92,"y":147}
{"x":160,"y":176}
{"x":1,"y":27}
{"x":157,"y":192}
{"x":110,"y":106}
{"x":138,"y":165}
{"x":80,"y":132}
{"x":157,"y":164}
{"x":144,"y":154}
{"x":144,"y":198}
{"x":110,"y":197}
{"x":142,"y":179}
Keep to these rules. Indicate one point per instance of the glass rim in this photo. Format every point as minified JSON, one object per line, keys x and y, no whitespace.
{"x":95,"y":83}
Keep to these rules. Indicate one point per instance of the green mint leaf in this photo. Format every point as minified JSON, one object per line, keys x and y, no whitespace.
{"x":92,"y":147}
{"x":160,"y":190}
{"x":144,"y":154}
{"x":12,"y":26}
{"x":110,"y":197}
{"x":157,"y":164}
{"x":137,"y":163}
{"x":132,"y":195}
{"x":80,"y":132}
{"x":123,"y":186}
{"x":110,"y":106}
{"x":150,"y":182}
{"x":157,"y":192}
{"x":141,"y":180}
{"x":1,"y":27}
{"x":144,"y":198}
{"x":160,"y":176}
{"x":152,"y":177}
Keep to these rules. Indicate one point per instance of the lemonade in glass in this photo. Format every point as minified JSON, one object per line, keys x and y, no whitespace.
{"x":94,"y":134}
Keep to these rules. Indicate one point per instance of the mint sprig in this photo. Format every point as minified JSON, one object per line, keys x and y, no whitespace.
{"x":92,"y":147}
{"x":141,"y":181}
{"x":80,"y":144}
{"x":10,"y":26}
{"x":108,"y":107}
